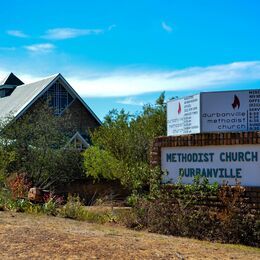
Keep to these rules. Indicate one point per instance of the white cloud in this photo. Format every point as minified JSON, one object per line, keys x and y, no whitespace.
{"x":67,"y":33}
{"x":166,"y":27}
{"x":130,"y":101}
{"x":40,"y":48}
{"x":128,"y":83}
{"x":131,"y":83}
{"x":17,"y":33}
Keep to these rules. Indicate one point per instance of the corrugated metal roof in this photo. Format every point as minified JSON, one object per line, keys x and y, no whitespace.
{"x":23,"y":96}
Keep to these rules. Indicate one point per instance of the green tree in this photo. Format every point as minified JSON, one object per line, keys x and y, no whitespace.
{"x":101,"y":164}
{"x":38,"y":140}
{"x":6,"y":157}
{"x":128,"y":139}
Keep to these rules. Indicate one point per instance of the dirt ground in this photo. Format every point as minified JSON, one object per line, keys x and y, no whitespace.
{"x":24,"y":236}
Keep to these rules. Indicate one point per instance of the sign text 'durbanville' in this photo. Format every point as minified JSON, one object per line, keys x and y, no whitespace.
{"x":217,"y":163}
{"x":226,"y":111}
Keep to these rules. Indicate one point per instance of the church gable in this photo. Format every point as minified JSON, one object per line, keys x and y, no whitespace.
{"x":81,"y":118}
{"x":59,"y":97}
{"x":55,"y":89}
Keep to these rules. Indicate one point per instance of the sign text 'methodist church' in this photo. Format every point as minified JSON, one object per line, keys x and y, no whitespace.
{"x":17,"y":98}
{"x":209,"y":113}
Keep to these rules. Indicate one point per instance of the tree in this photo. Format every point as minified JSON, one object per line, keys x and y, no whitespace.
{"x":101,"y":164}
{"x":6,"y":157}
{"x":128,"y":139}
{"x":38,"y":139}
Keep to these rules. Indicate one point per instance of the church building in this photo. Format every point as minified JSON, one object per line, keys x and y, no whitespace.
{"x":17,"y":98}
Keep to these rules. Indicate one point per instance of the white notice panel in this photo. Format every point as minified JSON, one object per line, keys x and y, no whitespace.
{"x":230,"y":111}
{"x":217,"y":163}
{"x":183,"y":116}
{"x":226,"y":111}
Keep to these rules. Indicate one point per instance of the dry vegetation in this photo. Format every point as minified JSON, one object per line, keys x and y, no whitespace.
{"x":26,"y":236}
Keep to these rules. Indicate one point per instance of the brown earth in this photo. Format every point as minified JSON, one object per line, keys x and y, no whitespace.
{"x":24,"y":236}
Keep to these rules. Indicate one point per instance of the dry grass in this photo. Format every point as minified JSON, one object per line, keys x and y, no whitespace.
{"x":25,"y":236}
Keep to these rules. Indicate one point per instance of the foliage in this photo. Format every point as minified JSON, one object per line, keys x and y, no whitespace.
{"x":125,"y":140}
{"x":19,"y":185}
{"x":51,"y":204}
{"x":199,"y":210}
{"x":19,"y":205}
{"x":7,"y":202}
{"x":6,"y":157}
{"x":4,"y":197}
{"x":100,"y":164}
{"x":128,"y":138}
{"x":37,"y":139}
{"x":75,"y":210}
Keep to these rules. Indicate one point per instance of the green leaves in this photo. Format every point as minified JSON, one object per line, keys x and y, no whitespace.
{"x":100,"y":164}
{"x":123,"y":143}
{"x":37,"y":140}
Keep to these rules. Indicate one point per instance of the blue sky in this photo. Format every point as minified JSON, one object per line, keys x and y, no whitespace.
{"x":123,"y":54}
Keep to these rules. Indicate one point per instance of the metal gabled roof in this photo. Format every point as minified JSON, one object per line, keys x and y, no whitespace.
{"x":22,"y":97}
{"x":25,"y":95}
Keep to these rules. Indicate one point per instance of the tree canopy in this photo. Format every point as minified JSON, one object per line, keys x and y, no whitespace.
{"x":37,"y":140}
{"x":125,"y":141}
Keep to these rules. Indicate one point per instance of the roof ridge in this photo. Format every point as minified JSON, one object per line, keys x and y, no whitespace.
{"x":42,"y":79}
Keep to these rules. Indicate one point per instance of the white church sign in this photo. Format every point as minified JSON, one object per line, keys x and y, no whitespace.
{"x":183,"y":115}
{"x":216,"y":163}
{"x":229,"y":111}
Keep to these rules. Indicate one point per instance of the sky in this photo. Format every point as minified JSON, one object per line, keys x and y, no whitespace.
{"x":123,"y":54}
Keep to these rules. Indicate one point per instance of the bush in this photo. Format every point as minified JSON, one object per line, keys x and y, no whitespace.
{"x":6,"y":158}
{"x":74,"y":209}
{"x":51,"y":204}
{"x":18,"y":185}
{"x":5,"y":196}
{"x":21,"y":205}
{"x":201,"y":212}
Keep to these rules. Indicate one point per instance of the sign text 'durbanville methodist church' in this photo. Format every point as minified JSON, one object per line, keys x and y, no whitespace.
{"x":227,"y":111}
{"x":229,"y":163}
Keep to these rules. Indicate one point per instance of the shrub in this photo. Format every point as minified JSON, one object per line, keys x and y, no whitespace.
{"x":73,"y":209}
{"x":201,"y":212}
{"x":19,"y":185}
{"x":6,"y":158}
{"x":51,"y":204}
{"x":5,"y":196}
